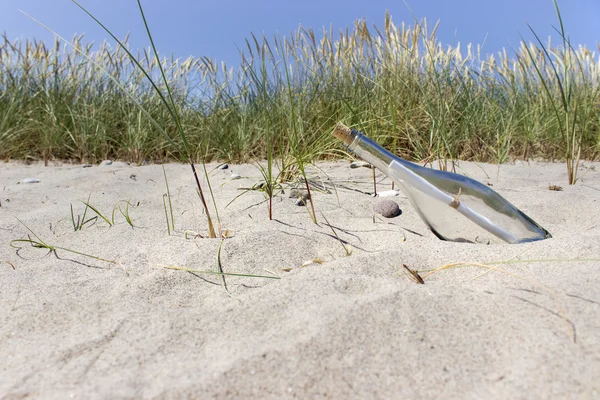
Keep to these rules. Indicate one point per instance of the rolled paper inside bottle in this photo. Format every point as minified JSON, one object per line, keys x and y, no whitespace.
{"x":406,"y":176}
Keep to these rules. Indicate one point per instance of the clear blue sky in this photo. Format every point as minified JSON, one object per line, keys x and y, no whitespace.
{"x":214,"y":28}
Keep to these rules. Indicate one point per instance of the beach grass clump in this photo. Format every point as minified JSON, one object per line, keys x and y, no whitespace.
{"x":168,"y":103}
{"x":414,"y":95}
{"x":80,"y":221}
{"x":569,"y":94}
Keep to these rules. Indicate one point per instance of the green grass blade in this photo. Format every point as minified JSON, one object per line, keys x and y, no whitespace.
{"x":172,"y":107}
{"x":169,"y":199}
{"x":199,"y":271}
{"x":98,"y":213}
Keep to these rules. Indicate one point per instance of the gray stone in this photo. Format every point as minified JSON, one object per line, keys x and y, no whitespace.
{"x":387,"y":208}
{"x":106,"y":163}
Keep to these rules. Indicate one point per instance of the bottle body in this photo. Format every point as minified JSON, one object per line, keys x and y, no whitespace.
{"x":453,"y":206}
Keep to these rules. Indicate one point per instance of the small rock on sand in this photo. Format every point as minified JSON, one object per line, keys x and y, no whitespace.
{"x":106,"y":163}
{"x":387,"y":208}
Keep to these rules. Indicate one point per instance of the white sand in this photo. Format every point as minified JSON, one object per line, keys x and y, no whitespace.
{"x":351,"y":327}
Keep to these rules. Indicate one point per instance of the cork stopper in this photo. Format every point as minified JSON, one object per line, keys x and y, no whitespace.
{"x":343,"y":133}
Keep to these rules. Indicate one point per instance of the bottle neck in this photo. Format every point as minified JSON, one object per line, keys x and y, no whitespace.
{"x":371,"y":152}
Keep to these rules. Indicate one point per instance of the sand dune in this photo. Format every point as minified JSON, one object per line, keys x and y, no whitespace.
{"x":346,"y":327}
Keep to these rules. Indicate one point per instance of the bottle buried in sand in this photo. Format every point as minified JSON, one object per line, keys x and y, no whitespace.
{"x":454,"y":207}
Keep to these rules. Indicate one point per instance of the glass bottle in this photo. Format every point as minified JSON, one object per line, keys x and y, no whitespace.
{"x":454,"y":207}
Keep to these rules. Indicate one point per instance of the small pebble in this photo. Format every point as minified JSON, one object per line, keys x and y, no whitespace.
{"x":86,"y":165}
{"x":31,"y":180}
{"x":359,"y":164}
{"x":224,"y":166}
{"x":235,"y":176}
{"x":106,"y":163}
{"x":387,"y":208}
{"x":388,"y":193}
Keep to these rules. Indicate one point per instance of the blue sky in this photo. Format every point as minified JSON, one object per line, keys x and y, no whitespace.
{"x":214,"y":28}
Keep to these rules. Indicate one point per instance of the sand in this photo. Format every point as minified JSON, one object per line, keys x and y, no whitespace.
{"x":347,"y":327}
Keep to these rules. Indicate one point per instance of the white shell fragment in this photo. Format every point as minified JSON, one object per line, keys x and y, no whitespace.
{"x":388,"y":193}
{"x":359,"y":164}
{"x":106,"y":163}
{"x":31,"y":180}
{"x":235,"y":176}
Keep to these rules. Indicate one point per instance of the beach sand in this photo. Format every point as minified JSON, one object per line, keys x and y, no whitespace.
{"x":346,"y":327}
